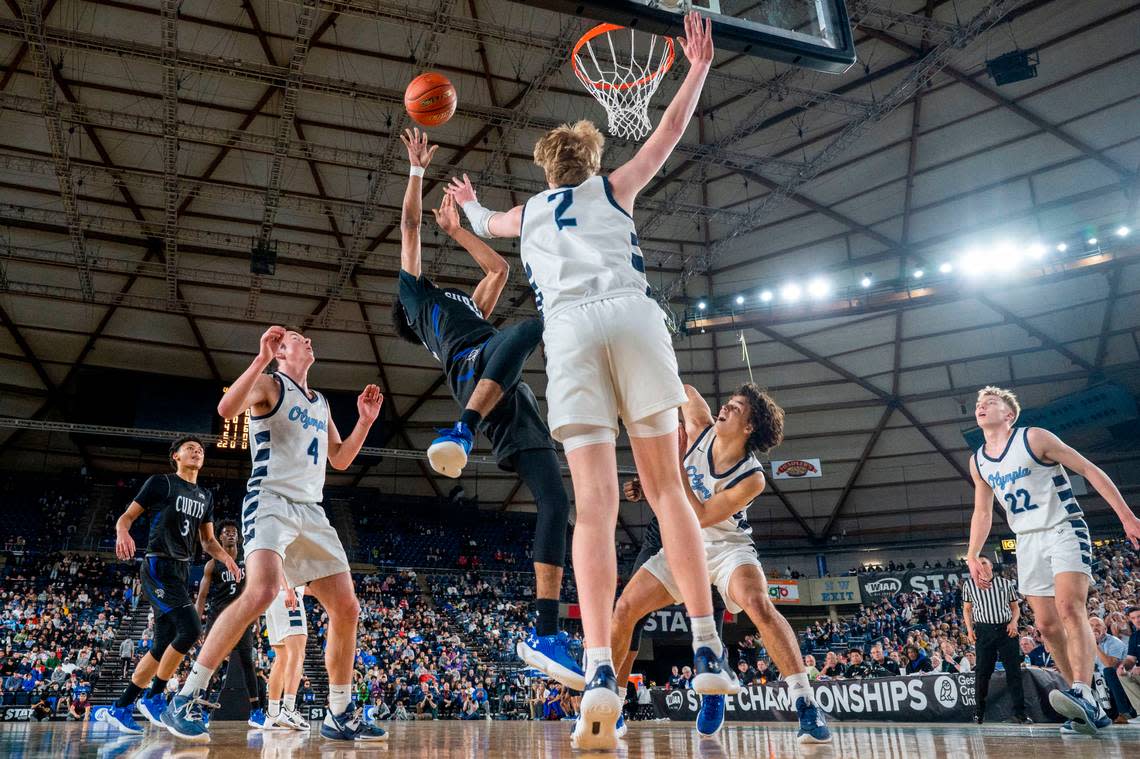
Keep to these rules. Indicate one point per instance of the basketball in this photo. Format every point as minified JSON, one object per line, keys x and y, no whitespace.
{"x":430,"y":99}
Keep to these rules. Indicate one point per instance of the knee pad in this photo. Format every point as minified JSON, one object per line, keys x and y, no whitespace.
{"x":188,"y":627}
{"x":655,"y":425}
{"x":573,"y":436}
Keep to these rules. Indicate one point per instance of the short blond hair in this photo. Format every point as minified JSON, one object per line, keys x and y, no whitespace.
{"x":1006,"y":396}
{"x":570,"y":154}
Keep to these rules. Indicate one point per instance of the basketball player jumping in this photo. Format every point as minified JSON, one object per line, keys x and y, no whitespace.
{"x":181,"y":514}
{"x":218,"y":589}
{"x":609,"y":355}
{"x":292,"y":435}
{"x":287,"y":627}
{"x":484,"y":372}
{"x":1025,"y":468}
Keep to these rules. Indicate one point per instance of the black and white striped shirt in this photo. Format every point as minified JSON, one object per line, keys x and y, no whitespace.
{"x":991,"y":607}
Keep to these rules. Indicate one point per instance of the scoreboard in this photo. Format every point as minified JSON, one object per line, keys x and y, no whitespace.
{"x":234,"y":434}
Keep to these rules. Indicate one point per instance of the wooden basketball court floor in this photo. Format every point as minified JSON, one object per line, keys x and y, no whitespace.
{"x":551,"y":740}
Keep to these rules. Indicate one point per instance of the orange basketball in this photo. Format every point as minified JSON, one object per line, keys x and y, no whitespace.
{"x":430,"y":99}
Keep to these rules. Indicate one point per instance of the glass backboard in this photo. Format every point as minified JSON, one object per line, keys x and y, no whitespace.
{"x":814,"y":34}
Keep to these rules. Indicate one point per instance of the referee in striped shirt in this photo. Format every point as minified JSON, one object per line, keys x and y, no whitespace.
{"x":991,"y":617}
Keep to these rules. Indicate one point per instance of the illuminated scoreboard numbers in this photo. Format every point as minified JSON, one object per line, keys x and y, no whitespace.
{"x":235,"y":431}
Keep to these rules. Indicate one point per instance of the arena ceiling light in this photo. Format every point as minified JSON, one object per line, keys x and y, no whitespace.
{"x":790,"y":292}
{"x":702,"y":305}
{"x":1037,"y":251}
{"x":818,"y":287}
{"x":740,"y":300}
{"x":1093,"y":241}
{"x":919,"y":273}
{"x":1123,"y":231}
{"x":866,"y":280}
{"x":1062,"y":247}
{"x":766,"y":296}
{"x":946,"y":267}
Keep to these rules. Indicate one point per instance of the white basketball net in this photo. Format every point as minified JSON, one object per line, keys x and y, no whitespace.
{"x":608,"y":66}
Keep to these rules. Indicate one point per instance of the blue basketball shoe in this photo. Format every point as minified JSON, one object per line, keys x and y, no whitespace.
{"x":152,"y":708}
{"x":550,"y":654}
{"x":710,"y":719}
{"x":122,"y":718}
{"x":1086,"y":716}
{"x":813,"y":726}
{"x":596,"y":726}
{"x":351,"y":726}
{"x":448,"y":452}
{"x":183,"y":718}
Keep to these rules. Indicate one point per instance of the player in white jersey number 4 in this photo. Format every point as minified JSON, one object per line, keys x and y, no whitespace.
{"x":610,"y":357}
{"x":285,"y":529}
{"x":1024,"y":467}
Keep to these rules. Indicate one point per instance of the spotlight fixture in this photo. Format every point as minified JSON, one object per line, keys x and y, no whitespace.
{"x":1062,"y":247}
{"x":790,"y":293}
{"x":1123,"y":231}
{"x":702,"y":305}
{"x":865,"y":281}
{"x":818,"y":287}
{"x":946,"y":268}
{"x":1037,"y":251}
{"x":1014,"y":66}
{"x":918,"y":273}
{"x":1092,"y":241}
{"x":766,"y":296}
{"x":740,"y":300}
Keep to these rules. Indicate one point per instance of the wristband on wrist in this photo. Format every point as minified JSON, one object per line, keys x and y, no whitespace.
{"x":416,"y":171}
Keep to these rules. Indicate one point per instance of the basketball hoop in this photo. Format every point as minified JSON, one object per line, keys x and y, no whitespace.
{"x":617,"y":79}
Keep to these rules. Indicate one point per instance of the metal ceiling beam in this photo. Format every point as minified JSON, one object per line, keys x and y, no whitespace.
{"x":936,"y":59}
{"x":306,"y":16}
{"x":1114,"y":277}
{"x":1019,"y":110}
{"x":170,"y":189}
{"x":31,"y":14}
{"x":1038,"y":334}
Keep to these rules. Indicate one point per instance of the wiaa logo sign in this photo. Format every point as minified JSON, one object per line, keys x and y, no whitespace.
{"x":887,"y":585}
{"x":675,"y":700}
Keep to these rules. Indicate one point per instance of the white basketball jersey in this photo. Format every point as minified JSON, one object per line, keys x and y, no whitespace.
{"x":290,"y":444}
{"x":578,"y":244}
{"x":1035,"y":495}
{"x":706,"y":482}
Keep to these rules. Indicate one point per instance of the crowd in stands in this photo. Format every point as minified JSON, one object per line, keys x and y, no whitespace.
{"x":58,"y":620}
{"x":900,"y":566}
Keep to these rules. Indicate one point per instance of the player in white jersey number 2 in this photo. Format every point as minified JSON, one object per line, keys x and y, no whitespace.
{"x":1024,"y":467}
{"x":609,"y":356}
{"x":286,"y":531}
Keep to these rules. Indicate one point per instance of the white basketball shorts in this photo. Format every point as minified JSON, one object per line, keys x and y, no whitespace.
{"x":1043,"y":554}
{"x":299,"y":533}
{"x":722,"y":559}
{"x":607,"y":359}
{"x":282,"y":622}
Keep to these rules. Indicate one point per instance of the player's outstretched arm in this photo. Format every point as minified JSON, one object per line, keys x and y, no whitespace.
{"x":631,"y":178}
{"x":696,"y":413}
{"x":204,"y":587}
{"x":495,"y":267}
{"x":1048,"y":447}
{"x":253,"y":387}
{"x":124,"y":543}
{"x":484,"y":221}
{"x":980,"y":525}
{"x":419,"y":156}
{"x":727,"y":502}
{"x":213,"y":548}
{"x":342,"y":452}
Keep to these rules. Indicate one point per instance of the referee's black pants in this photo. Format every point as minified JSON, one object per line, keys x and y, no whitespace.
{"x":994,"y":643}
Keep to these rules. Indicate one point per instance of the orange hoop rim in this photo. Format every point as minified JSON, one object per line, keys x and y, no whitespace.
{"x":598,"y":31}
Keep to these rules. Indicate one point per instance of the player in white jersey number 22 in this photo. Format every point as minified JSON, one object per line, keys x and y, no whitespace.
{"x":609,"y":356}
{"x":292,"y":436}
{"x":1024,"y":467}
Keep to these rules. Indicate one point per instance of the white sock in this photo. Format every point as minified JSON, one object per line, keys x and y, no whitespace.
{"x":704,"y":634}
{"x":197,"y":680}
{"x":1085,"y":690}
{"x":595,"y":657}
{"x":290,"y":701}
{"x":338,"y":698}
{"x":798,"y":687}
{"x":274,"y":707}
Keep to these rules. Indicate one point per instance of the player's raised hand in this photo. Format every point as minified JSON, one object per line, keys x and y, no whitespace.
{"x":419,"y":152}
{"x":447,"y":215}
{"x":1132,"y":531}
{"x":982,"y":576}
{"x":232,"y":567}
{"x":124,"y":545}
{"x":368,"y":404}
{"x":462,"y":191}
{"x":697,"y":42}
{"x":632,"y":490}
{"x":270,"y":342}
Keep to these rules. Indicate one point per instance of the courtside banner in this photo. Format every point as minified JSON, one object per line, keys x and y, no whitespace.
{"x":796,"y":469}
{"x":924,"y":698}
{"x":883,"y":585}
{"x":784,"y":591}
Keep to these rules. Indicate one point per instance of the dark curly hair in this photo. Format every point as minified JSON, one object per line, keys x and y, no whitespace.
{"x":228,"y":523}
{"x":764,"y":416}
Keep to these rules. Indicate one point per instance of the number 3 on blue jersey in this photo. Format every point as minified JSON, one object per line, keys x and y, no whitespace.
{"x":314,"y":450}
{"x":567,"y":197}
